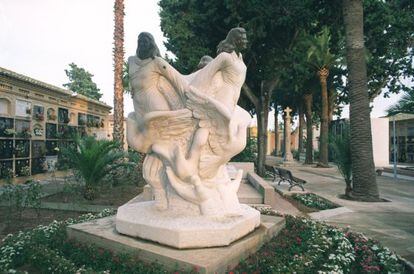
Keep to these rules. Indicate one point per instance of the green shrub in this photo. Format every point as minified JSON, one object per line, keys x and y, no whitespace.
{"x":20,"y":196}
{"x":341,"y":148}
{"x":93,"y":159}
{"x":249,"y":154}
{"x":128,"y":174}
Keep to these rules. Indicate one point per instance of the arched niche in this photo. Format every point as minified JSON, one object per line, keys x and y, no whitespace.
{"x":51,"y":114}
{"x":72,"y":118}
{"x":5,"y":106}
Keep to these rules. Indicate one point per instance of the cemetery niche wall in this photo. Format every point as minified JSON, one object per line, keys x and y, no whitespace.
{"x":37,"y":119}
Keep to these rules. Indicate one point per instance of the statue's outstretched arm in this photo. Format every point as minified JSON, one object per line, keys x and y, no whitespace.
{"x":176,"y":79}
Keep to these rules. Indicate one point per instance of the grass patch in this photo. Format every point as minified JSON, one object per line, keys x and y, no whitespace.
{"x":107,"y":195}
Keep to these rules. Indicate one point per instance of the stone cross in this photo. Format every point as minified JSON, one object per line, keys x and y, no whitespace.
{"x":288,"y":153}
{"x":287,"y":110}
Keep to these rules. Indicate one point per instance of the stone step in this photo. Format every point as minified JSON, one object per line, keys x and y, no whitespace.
{"x":249,"y":195}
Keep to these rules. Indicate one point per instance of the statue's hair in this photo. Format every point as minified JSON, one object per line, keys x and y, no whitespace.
{"x":204,"y":61}
{"x":229,"y":44}
{"x":155,"y":51}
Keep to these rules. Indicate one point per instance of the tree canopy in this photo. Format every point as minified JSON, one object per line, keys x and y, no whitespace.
{"x":80,"y":81}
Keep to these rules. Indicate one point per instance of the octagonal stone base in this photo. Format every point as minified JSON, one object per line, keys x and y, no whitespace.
{"x":182,"y":231}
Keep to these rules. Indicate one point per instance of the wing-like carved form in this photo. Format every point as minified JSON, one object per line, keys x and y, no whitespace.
{"x":169,"y":126}
{"x":212,"y":115}
{"x":215,"y":118}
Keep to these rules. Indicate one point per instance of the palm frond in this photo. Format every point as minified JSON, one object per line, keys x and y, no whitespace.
{"x":93,"y":159}
{"x":340,"y":145}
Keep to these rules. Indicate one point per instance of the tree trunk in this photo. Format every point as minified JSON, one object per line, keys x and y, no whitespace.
{"x":332,"y":105}
{"x":323,"y":144}
{"x":118,"y":134}
{"x":363,"y":169}
{"x":276,"y":131}
{"x":301,"y":124}
{"x":261,"y":141}
{"x":262,"y":122}
{"x":308,"y":98}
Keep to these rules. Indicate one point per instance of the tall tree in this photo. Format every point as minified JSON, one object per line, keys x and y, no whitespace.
{"x":301,"y":114}
{"x":118,"y":133}
{"x":80,"y":81}
{"x":363,"y":170}
{"x":320,"y":56}
{"x":276,"y":120}
{"x":308,"y":101}
{"x":272,"y":27}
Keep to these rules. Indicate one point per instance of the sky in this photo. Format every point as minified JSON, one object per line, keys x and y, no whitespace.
{"x":40,"y":38}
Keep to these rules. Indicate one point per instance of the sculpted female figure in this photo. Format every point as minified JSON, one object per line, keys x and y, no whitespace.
{"x":221,"y":130}
{"x":157,"y":90}
{"x":190,"y":126}
{"x":215,"y":90}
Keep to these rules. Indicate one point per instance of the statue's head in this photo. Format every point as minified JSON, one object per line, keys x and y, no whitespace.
{"x":204,"y":61}
{"x":147,"y":48}
{"x":236,"y":40}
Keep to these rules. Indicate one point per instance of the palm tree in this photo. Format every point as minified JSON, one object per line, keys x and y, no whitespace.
{"x":308,"y":101}
{"x":320,"y":57}
{"x":93,"y":159}
{"x":340,"y":145}
{"x":404,"y":105}
{"x":118,"y":133}
{"x":363,"y":169}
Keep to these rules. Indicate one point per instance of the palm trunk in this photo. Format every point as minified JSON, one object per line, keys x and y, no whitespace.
{"x":118,"y":133}
{"x":363,"y":170}
{"x":323,"y":149}
{"x":308,"y":98}
{"x":276,"y":131}
{"x":301,"y":124}
{"x":332,"y":105}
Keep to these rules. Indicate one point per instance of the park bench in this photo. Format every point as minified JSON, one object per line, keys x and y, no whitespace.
{"x":285,"y":175}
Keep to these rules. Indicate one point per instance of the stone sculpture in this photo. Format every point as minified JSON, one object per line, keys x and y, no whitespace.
{"x":189,"y":126}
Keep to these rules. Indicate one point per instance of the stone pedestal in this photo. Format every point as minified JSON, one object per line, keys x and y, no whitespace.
{"x":219,"y":260}
{"x":181,"y":229}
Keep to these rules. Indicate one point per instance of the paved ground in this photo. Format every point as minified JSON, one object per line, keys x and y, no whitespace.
{"x":392,"y":223}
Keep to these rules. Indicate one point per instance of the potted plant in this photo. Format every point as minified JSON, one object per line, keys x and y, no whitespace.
{"x":6,"y":173}
{"x":19,"y":150}
{"x":39,"y":116}
{"x":28,"y":110}
{"x":9,"y":132}
{"x":51,"y":116}
{"x":25,"y":133}
{"x":25,"y":171}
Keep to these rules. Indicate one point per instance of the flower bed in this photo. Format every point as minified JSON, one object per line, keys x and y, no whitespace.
{"x":314,"y":201}
{"x":308,"y":246}
{"x":46,"y":249}
{"x":304,"y":246}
